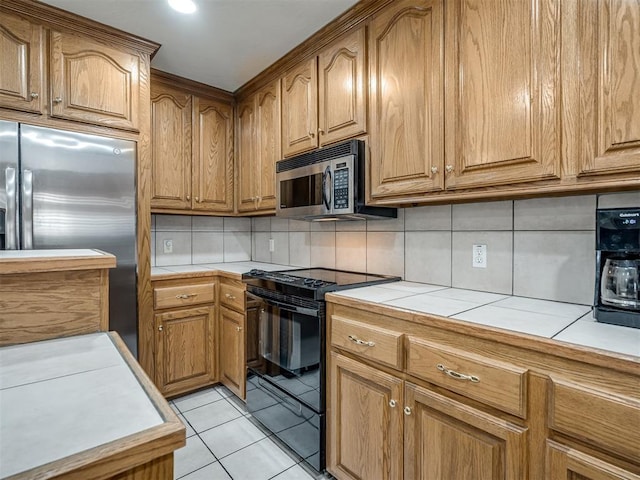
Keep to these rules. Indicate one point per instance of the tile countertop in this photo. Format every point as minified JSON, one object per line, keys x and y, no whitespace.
{"x":230,"y":267}
{"x":47,"y":386}
{"x":564,"y":322}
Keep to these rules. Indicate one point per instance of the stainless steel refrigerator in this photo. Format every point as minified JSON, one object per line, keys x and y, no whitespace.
{"x":62,"y":189}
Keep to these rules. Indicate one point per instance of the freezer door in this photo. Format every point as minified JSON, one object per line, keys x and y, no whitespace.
{"x":78,"y":191}
{"x":9,"y":171}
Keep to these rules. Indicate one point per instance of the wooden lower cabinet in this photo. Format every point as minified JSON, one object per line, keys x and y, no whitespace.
{"x":186,"y":356}
{"x":383,"y":427}
{"x":566,"y":463}
{"x":232,"y":351}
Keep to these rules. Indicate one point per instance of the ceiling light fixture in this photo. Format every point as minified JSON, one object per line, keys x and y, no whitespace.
{"x":183,"y":6}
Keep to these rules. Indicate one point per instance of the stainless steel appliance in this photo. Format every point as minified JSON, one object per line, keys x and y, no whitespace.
{"x":617,"y":296}
{"x":286,"y":352}
{"x":326,"y":184}
{"x":63,"y":189}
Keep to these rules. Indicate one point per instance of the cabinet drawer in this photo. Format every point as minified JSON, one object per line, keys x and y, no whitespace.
{"x":183,"y":295}
{"x":596,"y":416}
{"x":495,"y":383}
{"x":232,"y":296}
{"x":375,"y":343}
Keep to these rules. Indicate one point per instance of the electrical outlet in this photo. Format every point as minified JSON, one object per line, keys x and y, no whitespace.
{"x":272,"y":245}
{"x":479,"y":256}
{"x":168,"y":246}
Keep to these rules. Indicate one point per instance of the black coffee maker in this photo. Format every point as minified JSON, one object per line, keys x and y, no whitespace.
{"x":617,"y":292}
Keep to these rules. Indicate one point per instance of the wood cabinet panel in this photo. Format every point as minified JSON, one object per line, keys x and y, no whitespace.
{"x":248,"y":171}
{"x":365,"y":433}
{"x":495,"y":383}
{"x":502,"y":94}
{"x":566,"y":463}
{"x":183,"y":295}
{"x":607,"y":107}
{"x":212,"y":173}
{"x":446,"y":439}
{"x":342,"y":89}
{"x":406,"y":81}
{"x":300,"y":108}
{"x":21,"y":76}
{"x":232,"y":351}
{"x":185,"y":341}
{"x":171,"y":147}
{"x":232,"y":296}
{"x":94,"y":83}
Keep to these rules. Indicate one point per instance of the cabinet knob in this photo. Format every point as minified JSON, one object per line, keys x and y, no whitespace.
{"x":449,"y":168}
{"x":311,"y":134}
{"x":35,"y":95}
{"x":239,"y":329}
{"x":407,"y":411}
{"x":321,"y":131}
{"x":434,"y":170}
{"x":57,"y":100}
{"x":197,"y":199}
{"x":392,"y":403}
{"x":188,"y":197}
{"x":160,"y":328}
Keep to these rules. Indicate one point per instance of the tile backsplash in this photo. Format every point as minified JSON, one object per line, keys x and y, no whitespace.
{"x":540,"y":248}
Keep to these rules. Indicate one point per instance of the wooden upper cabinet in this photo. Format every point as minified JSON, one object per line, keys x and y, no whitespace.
{"x":300,"y":108}
{"x":212,"y":167}
{"x":21,"y":78}
{"x":171,"y":147}
{"x":342,"y":89}
{"x":406,"y":99}
{"x":502,"y":117}
{"x":259,"y":149}
{"x":93,"y":83}
{"x":607,"y":109}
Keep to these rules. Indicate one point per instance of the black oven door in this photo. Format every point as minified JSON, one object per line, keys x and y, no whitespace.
{"x":284,"y":348}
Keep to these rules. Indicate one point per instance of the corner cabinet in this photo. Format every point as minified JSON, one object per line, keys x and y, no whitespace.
{"x":258,"y":150}
{"x":324,"y":98}
{"x":185,"y":334}
{"x":192,"y":149}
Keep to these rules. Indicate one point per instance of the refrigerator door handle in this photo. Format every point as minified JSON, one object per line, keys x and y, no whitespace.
{"x":27,"y":210}
{"x":11,"y":215}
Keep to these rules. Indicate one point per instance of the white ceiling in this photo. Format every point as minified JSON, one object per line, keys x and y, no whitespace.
{"x":225,"y":43}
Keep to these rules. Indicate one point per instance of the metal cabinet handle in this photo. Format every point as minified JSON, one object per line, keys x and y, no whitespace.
{"x":188,"y":197}
{"x":321,"y":131}
{"x":392,"y":403}
{"x":57,"y":100}
{"x":198,"y":199}
{"x":160,"y":328}
{"x":449,"y":168}
{"x":311,"y":134}
{"x":229,"y":296}
{"x":183,"y":296}
{"x":35,"y":95}
{"x":407,"y":411}
{"x":456,"y":375}
{"x":434,"y":170}
{"x":239,"y":329}
{"x":357,"y":341}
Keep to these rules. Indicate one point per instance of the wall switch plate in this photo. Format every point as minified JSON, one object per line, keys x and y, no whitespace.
{"x":167,"y":246}
{"x":272,"y":245}
{"x":479,"y":256}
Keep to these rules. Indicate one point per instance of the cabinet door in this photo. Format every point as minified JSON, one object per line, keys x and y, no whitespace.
{"x":341,"y":83}
{"x":269,"y":143}
{"x":170,"y":148}
{"x":21,"y":44}
{"x":406,"y":80}
{"x":185,"y":349}
{"x":566,"y":463}
{"x":212,"y":173}
{"x":607,"y":112}
{"x":232,"y":351}
{"x":300,"y":108}
{"x":502,"y":100}
{"x":248,"y":165}
{"x":365,"y":422}
{"x":445,"y":439}
{"x":94,"y":83}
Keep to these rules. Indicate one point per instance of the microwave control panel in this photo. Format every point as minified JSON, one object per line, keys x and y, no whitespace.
{"x":341,"y":189}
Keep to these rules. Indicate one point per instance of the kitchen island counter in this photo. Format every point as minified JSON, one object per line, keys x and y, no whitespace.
{"x":81,"y":407}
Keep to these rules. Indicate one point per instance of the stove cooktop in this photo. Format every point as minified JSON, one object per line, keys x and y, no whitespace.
{"x":313,"y":282}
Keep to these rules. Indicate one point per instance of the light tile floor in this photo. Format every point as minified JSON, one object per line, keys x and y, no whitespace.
{"x":225,"y":443}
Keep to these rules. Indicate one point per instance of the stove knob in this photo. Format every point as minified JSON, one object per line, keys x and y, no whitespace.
{"x":317,"y":283}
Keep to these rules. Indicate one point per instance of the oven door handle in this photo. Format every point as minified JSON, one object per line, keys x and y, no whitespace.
{"x":312,"y":312}
{"x":282,"y":397}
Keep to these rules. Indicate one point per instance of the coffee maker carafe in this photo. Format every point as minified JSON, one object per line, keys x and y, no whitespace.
{"x":617,"y":292}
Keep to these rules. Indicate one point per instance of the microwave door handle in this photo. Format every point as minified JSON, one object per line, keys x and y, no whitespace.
{"x":326,"y":188}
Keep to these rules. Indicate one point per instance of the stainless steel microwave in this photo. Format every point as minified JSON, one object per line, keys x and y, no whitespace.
{"x":326,"y":184}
